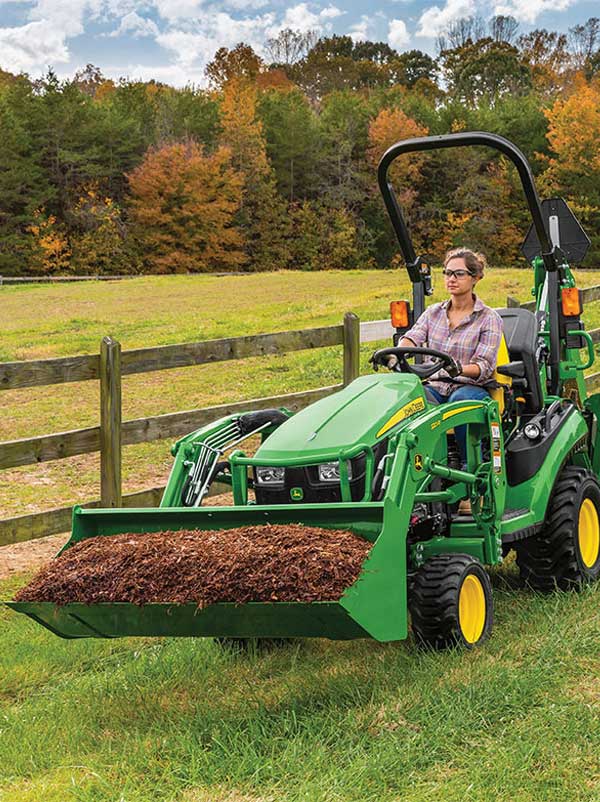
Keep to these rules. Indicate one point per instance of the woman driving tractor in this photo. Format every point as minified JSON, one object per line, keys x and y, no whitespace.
{"x":464,"y":328}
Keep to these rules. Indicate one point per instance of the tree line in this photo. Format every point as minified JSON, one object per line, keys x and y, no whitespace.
{"x":273,"y":165}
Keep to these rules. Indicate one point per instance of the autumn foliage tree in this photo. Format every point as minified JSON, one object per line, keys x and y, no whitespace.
{"x":183,"y":204}
{"x":262,"y":217}
{"x":573,"y":168}
{"x":390,"y":126}
{"x":99,"y":241}
{"x":50,"y":251}
{"x":239,"y":63}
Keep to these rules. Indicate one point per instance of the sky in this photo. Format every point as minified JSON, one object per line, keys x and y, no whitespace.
{"x":173,"y":40}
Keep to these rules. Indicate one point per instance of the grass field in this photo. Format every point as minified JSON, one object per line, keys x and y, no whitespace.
{"x":170,"y":720}
{"x":184,"y":721}
{"x":43,"y":321}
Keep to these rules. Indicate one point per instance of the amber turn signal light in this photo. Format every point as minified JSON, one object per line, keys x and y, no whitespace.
{"x":399,"y":314}
{"x":571,"y":306}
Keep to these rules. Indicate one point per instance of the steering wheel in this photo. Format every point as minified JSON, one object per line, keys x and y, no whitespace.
{"x":423,"y":371}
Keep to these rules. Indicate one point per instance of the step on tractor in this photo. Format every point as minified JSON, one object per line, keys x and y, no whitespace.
{"x":376,"y":458}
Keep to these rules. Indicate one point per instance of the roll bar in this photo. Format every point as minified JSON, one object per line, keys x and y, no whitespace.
{"x":470,"y":138}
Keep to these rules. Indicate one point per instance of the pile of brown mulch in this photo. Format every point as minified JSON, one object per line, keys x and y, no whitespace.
{"x":251,"y":563}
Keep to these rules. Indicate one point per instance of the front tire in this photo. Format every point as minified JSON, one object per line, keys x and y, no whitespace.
{"x":450,"y":602}
{"x":566,"y":553}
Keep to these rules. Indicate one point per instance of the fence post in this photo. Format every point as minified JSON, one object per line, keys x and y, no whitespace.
{"x":351,"y":347}
{"x":110,"y":423}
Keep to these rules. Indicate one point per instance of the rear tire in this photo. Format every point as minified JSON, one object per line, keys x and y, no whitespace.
{"x":450,"y":602}
{"x":566,"y":553}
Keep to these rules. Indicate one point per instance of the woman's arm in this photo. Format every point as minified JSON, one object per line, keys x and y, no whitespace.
{"x":485,"y":357}
{"x":416,"y":336}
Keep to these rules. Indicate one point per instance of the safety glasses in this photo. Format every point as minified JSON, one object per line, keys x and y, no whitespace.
{"x":459,"y":274}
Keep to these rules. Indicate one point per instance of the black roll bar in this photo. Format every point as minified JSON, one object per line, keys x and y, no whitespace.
{"x":456,"y":141}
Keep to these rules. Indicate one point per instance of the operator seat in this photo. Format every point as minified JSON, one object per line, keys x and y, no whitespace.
{"x":521,"y":335}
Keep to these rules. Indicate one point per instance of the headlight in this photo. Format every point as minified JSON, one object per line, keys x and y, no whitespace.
{"x":330,"y":472}
{"x":532,"y":431}
{"x":269,"y":476}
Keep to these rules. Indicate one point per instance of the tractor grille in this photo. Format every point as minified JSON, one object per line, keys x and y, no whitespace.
{"x":313,"y":490}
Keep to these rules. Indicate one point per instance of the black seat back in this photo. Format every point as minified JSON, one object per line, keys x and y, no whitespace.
{"x":521,"y":335}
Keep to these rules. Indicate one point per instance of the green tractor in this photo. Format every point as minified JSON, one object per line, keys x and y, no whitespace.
{"x":377,"y":459}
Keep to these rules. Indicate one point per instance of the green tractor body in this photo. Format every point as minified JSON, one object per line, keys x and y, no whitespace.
{"x":377,"y":459}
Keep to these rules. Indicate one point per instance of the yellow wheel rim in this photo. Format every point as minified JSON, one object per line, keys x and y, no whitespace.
{"x":589,"y":533}
{"x":471,"y":609}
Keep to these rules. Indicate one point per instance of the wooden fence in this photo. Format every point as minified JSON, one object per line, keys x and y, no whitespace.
{"x":6,"y":280}
{"x":112,"y":434}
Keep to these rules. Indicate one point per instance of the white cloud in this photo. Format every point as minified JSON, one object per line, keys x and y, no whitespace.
{"x":331,"y":12}
{"x":361,"y":30}
{"x":34,"y":46}
{"x":192,"y":30}
{"x":301,"y":18}
{"x":436,"y":20}
{"x":175,"y":10}
{"x":198,"y":46}
{"x":187,"y":47}
{"x":42,"y":42}
{"x":172,"y":74}
{"x":529,"y":10}
{"x":196,"y":43}
{"x":65,"y":16}
{"x":398,"y":36}
{"x":136,"y":26}
{"x":243,"y":5}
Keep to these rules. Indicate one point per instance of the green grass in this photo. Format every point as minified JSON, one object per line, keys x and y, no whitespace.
{"x":183,"y":720}
{"x":42,"y":321}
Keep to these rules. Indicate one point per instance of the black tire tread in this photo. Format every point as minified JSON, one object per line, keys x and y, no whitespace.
{"x":433,"y":599}
{"x":548,"y":560}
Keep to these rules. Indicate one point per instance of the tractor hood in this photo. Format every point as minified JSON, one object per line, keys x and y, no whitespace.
{"x":365,"y":411}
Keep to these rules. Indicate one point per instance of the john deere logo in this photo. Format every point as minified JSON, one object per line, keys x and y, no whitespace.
{"x":418,"y":462}
{"x":296,"y":494}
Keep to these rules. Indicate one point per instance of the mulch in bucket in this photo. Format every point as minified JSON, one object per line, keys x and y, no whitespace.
{"x":268,"y":563}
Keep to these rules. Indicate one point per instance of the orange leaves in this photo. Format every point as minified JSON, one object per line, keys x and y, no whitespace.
{"x":182,"y":206}
{"x":242,"y":130}
{"x":390,"y":126}
{"x":450,"y":232}
{"x":51,"y":252}
{"x":98,"y":240}
{"x":574,"y":169}
{"x":574,"y":131}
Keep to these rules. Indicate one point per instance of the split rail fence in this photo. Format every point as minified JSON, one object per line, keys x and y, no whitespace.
{"x":111,"y":364}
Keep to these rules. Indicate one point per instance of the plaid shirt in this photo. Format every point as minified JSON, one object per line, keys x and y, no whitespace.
{"x":475,"y":341}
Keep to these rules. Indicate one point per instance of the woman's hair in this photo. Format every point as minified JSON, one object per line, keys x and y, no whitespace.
{"x":475,"y":262}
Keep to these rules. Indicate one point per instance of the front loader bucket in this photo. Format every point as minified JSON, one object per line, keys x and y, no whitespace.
{"x":117,"y":620}
{"x":374,"y":606}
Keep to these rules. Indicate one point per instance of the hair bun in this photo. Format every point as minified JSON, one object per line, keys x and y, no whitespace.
{"x":481,"y":259}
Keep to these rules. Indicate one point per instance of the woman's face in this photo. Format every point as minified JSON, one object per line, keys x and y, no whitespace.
{"x":457,"y":277}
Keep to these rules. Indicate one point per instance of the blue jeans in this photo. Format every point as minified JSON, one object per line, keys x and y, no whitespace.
{"x":466,"y":392}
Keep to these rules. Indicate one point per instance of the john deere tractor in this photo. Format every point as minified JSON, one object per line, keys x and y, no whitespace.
{"x":377,"y":459}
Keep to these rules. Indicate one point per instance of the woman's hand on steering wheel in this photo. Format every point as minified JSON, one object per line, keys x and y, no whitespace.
{"x":441,"y":361}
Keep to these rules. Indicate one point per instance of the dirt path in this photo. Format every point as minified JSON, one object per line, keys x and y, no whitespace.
{"x":31,"y":555}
